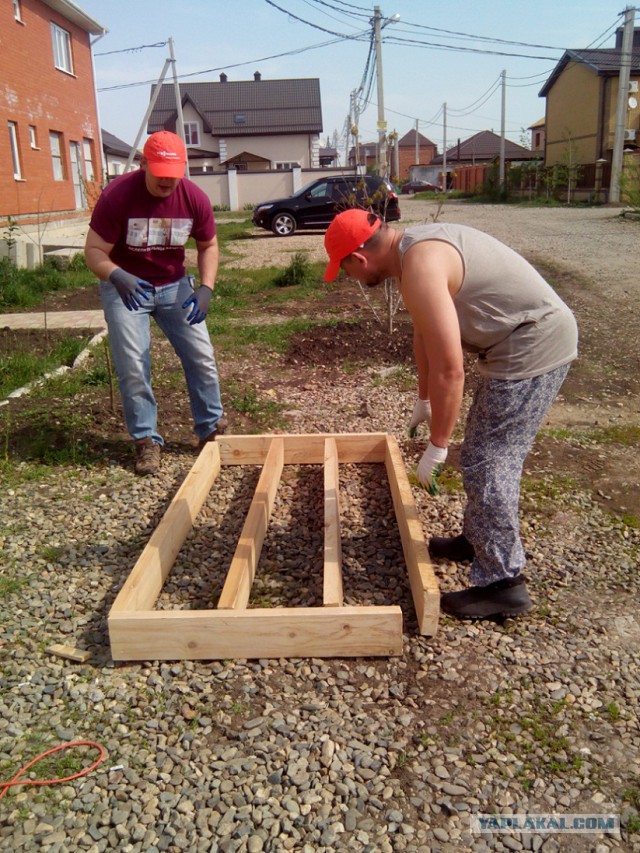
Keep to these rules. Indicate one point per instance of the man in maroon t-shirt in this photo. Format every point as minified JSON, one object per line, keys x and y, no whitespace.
{"x":135,"y":246}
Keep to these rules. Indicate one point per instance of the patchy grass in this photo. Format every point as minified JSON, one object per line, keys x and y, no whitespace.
{"x":22,"y":367}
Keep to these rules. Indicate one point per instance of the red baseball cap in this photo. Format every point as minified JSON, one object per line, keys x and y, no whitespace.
{"x":348,"y":232}
{"x":166,"y":155}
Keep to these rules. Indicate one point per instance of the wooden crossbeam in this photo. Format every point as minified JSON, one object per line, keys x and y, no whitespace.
{"x":333,"y":593}
{"x":303,"y":449}
{"x":237,"y":587}
{"x":280,"y":632}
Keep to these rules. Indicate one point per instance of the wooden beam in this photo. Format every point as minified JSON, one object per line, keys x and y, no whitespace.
{"x":333,"y":593}
{"x":302,"y":449}
{"x":422,"y":579}
{"x":237,"y":587}
{"x":260,"y":633}
{"x":143,"y":586}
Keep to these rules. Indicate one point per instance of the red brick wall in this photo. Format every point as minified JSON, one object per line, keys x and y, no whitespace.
{"x":34,"y":92}
{"x":407,"y":158}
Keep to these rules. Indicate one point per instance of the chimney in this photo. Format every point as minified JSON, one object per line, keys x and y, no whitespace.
{"x":257,"y":76}
{"x":223,"y":77}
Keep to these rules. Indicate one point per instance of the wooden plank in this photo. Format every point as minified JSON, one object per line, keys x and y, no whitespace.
{"x":302,"y":449}
{"x":333,"y":593}
{"x":422,"y":579}
{"x":143,"y":586}
{"x":68,"y":652}
{"x":237,"y":587}
{"x":261,"y":633}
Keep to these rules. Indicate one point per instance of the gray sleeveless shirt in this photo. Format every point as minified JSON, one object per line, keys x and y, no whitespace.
{"x":508,"y":314}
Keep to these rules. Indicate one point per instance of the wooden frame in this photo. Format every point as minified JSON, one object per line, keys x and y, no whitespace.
{"x":138,"y":632}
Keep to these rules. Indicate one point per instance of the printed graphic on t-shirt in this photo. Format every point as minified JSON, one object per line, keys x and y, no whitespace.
{"x":158,"y":233}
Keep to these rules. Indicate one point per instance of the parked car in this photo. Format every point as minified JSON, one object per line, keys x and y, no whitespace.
{"x":317,"y":203}
{"x":419,"y":187}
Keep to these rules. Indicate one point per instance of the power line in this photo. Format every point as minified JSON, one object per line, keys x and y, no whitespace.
{"x":132,"y":49}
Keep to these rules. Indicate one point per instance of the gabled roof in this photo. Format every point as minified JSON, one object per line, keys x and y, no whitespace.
{"x":605,"y":62}
{"x":116,"y":147}
{"x":483,"y":147}
{"x":245,"y":108}
{"x":540,"y":123}
{"x":409,"y":140}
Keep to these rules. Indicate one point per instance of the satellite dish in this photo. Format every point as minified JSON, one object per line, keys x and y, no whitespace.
{"x":633,"y":103}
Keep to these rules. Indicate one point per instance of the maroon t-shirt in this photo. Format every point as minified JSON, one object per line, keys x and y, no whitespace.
{"x":149,"y":233}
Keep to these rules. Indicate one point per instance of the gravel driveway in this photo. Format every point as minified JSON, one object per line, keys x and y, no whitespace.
{"x":532,"y":716}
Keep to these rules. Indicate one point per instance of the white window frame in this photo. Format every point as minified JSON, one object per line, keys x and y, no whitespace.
{"x":87,"y":156}
{"x":15,"y":150}
{"x":62,"y":57}
{"x":192,"y":133}
{"x":55,"y":142}
{"x":33,"y":137}
{"x":17,"y":11}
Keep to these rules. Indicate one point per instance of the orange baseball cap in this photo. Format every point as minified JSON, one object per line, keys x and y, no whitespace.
{"x":348,"y":232}
{"x":166,"y":155}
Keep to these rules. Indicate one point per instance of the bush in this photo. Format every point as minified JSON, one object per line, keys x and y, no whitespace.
{"x":298,"y":272}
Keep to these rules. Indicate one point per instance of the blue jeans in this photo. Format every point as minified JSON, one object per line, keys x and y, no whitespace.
{"x":130,"y":341}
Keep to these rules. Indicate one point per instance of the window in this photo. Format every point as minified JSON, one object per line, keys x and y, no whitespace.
{"x":55,"y":141}
{"x":17,"y":12}
{"x":89,"y":172}
{"x":15,"y":152}
{"x":284,"y":165}
{"x":33,"y":136}
{"x":61,"y":49}
{"x":192,"y":133}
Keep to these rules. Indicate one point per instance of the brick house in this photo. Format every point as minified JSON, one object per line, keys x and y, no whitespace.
{"x":50,"y":158}
{"x":407,"y":152}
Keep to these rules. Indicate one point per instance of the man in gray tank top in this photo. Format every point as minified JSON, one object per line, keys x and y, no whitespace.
{"x":467,"y":291}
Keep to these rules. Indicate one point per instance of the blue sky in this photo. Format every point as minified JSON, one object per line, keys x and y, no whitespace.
{"x":244,"y":36}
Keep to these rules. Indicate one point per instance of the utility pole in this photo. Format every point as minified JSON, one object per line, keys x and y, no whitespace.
{"x":417,"y":146}
{"x":382,"y":125}
{"x":176,"y":86}
{"x":621,"y":105}
{"x":502,"y":131}
{"x":444,"y":147}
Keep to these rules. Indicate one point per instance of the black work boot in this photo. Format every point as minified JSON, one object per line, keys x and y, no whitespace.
{"x":220,"y":429}
{"x":507,"y":597}
{"x":455,"y":548}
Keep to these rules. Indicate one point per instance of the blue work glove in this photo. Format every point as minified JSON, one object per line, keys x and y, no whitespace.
{"x":130,"y":288}
{"x":429,"y":467}
{"x":199,"y":304}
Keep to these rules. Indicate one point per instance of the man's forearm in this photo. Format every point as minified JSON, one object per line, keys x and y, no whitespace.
{"x":208,"y":265}
{"x":99,"y":263}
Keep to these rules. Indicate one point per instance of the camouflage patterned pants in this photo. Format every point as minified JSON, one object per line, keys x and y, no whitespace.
{"x":500,"y":429}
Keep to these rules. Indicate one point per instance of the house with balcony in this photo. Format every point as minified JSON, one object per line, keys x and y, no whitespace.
{"x":246,"y":125}
{"x":50,"y":149}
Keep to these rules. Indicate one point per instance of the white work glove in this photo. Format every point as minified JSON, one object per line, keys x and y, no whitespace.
{"x":421,"y":413}
{"x":429,"y":467}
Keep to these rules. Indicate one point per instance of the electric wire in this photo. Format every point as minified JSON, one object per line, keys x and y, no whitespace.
{"x":132,"y":49}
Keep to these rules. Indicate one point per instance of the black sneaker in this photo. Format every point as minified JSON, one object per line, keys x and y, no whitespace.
{"x":507,"y":597}
{"x":458,"y":549}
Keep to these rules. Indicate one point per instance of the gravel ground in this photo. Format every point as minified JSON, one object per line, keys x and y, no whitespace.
{"x":537,"y":715}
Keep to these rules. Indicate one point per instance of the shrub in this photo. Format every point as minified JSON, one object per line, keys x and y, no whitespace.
{"x":298,"y":271}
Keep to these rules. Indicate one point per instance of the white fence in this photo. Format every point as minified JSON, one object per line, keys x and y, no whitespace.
{"x":240,"y":190}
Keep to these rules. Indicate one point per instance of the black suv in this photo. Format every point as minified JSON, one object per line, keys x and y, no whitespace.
{"x":316,"y":204}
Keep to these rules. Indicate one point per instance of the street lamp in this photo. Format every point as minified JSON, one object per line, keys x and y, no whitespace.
{"x":378,"y":25}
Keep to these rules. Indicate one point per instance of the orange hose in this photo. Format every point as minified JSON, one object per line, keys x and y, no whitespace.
{"x":4,"y":786}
